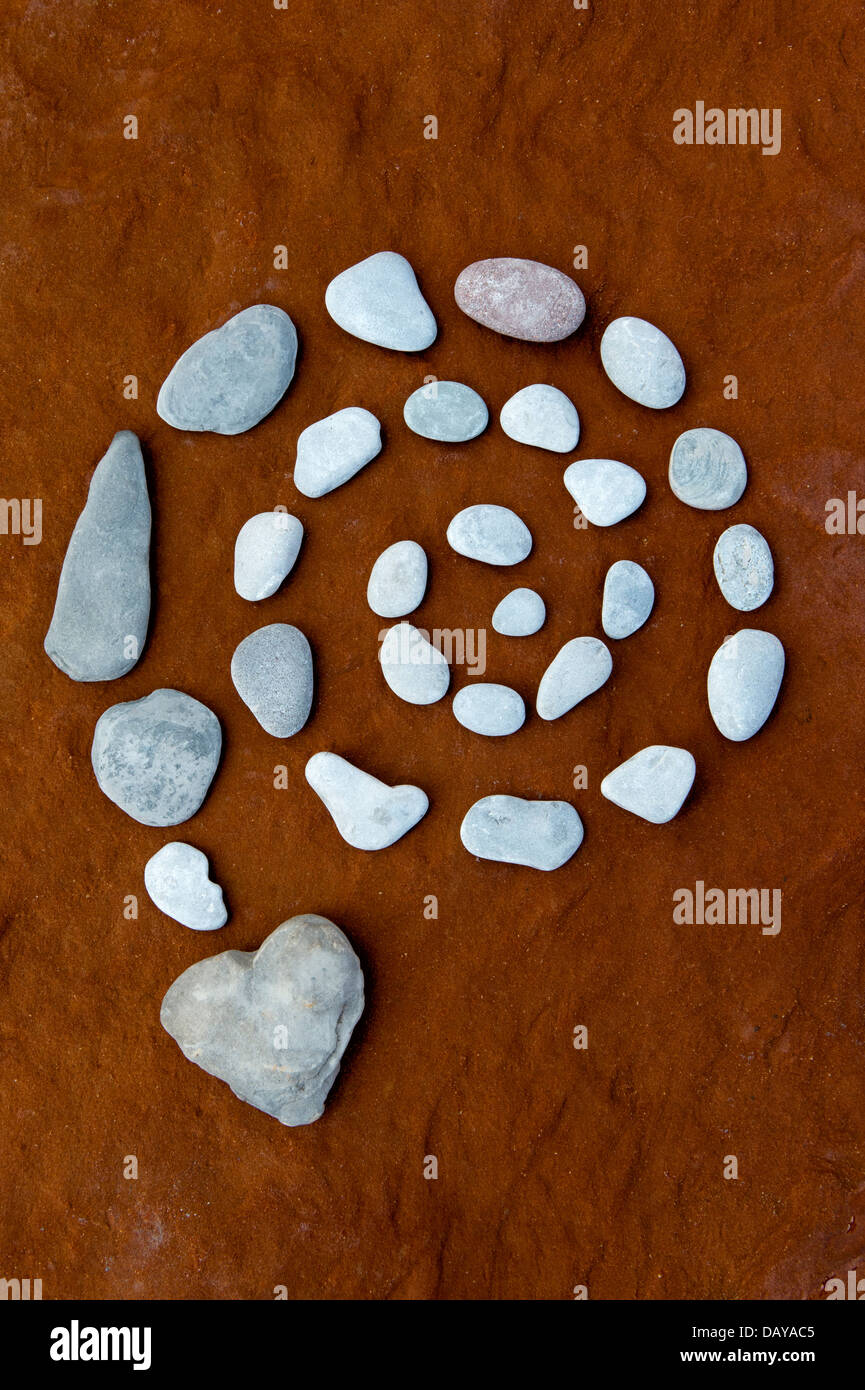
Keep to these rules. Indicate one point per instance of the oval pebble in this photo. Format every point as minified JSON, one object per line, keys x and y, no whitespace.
{"x":368,"y":813}
{"x":495,"y":535}
{"x":379,"y":301}
{"x":264,"y":553}
{"x":605,"y":490}
{"x":177,"y":878}
{"x":642,"y":362}
{"x":628,"y":598}
{"x":579,"y":669}
{"x":743,"y":683}
{"x":520,"y":613}
{"x":743,"y":567}
{"x":397,"y":581}
{"x":542,"y":416}
{"x":486,"y":708}
{"x":272,"y":673}
{"x":332,"y":450}
{"x":520,"y":298}
{"x":509,"y":830}
{"x":653,"y":783}
{"x":446,"y":411}
{"x":707,"y":469}
{"x":414,"y":669}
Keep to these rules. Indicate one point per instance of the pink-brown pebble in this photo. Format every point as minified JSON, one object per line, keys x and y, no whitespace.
{"x":522,"y":299}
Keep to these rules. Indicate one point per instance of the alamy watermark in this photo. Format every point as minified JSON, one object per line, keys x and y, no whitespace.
{"x":413,"y":646}
{"x":737,"y":125}
{"x":731,"y":907}
{"x":21,"y":516}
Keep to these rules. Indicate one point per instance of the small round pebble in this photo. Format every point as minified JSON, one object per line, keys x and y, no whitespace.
{"x":520,"y":298}
{"x":653,"y":783}
{"x":493,"y":534}
{"x":628,"y":598}
{"x":486,"y":708}
{"x":397,"y":581}
{"x":264,"y":553}
{"x":642,"y":362}
{"x":446,"y":411}
{"x":177,"y":879}
{"x":744,"y":568}
{"x":542,"y":416}
{"x":579,"y":669}
{"x":520,"y":613}
{"x":743,"y":683}
{"x":272,"y":674}
{"x":605,"y":490}
{"x":414,"y":669}
{"x":707,"y":469}
{"x":379,"y":301}
{"x":333,"y":450}
{"x":509,"y":830}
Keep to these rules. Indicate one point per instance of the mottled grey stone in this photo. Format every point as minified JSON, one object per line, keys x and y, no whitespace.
{"x":264,"y":553}
{"x":177,"y":879}
{"x":509,"y":830}
{"x":446,"y":411}
{"x":579,"y":669}
{"x":495,"y":535}
{"x":642,"y":362}
{"x":379,"y":300}
{"x":273,"y":675}
{"x":272,"y":1023}
{"x":744,"y":679}
{"x":100,"y":619}
{"x":397,"y":581}
{"x":520,"y":298}
{"x":231,"y":378}
{"x":520,"y":613}
{"x":155,"y":758}
{"x":486,"y":708}
{"x":605,"y":490}
{"x":628,"y":598}
{"x":653,"y":784}
{"x":367,"y":813}
{"x":744,"y":568}
{"x":542,"y":416}
{"x":332,"y":450}
{"x":414,"y":669}
{"x":707,"y":469}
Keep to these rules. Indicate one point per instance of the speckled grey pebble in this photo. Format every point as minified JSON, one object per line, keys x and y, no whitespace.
{"x":605,"y":490}
{"x":579,"y":669}
{"x":744,"y":568}
{"x":486,"y":708}
{"x":379,"y":301}
{"x":743,"y":683}
{"x":414,"y":669}
{"x":707,"y":469}
{"x":628,"y":598}
{"x":273,"y":675}
{"x":510,"y":830}
{"x":446,"y":411}
{"x":177,"y":879}
{"x":333,"y":450}
{"x":397,"y":581}
{"x":653,"y":783}
{"x":264,"y":553}
{"x":493,"y":534}
{"x":520,"y":613}
{"x":642,"y":362}
{"x":542,"y":416}
{"x":367,"y":813}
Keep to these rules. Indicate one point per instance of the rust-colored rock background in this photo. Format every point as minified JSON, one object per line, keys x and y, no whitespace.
{"x":557,"y":1167}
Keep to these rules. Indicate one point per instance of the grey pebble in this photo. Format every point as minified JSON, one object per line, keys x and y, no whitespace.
{"x":486,"y":708}
{"x":605,"y":490}
{"x":333,"y":450}
{"x":579,"y":669}
{"x":520,"y":613}
{"x":510,"y":830}
{"x":446,"y":411}
{"x":379,"y":301}
{"x":264,"y":553}
{"x":642,"y":362}
{"x":744,"y":679}
{"x":273,"y":675}
{"x":414,"y":669}
{"x":397,"y":581}
{"x":493,"y":534}
{"x":628,"y":598}
{"x":542,"y":416}
{"x":367,"y":813}
{"x":743,"y":567}
{"x":653,"y":783}
{"x":707,"y":469}
{"x":178,"y":880}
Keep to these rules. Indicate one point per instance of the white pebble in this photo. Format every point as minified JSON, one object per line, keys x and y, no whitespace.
{"x":367,"y":813}
{"x":542,"y":416}
{"x":509,"y":830}
{"x":579,"y":669}
{"x":520,"y":613}
{"x":642,"y":362}
{"x":495,"y":535}
{"x":744,"y":568}
{"x":486,"y":708}
{"x":743,"y":683}
{"x":177,"y":879}
{"x":414,"y":669}
{"x":333,"y":450}
{"x":264,"y":553}
{"x":605,"y":490}
{"x":628,"y":598}
{"x":397,"y":581}
{"x":653,"y":784}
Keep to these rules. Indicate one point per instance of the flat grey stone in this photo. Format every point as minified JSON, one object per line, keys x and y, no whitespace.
{"x":489,"y":709}
{"x":653,"y":784}
{"x":520,"y":613}
{"x":520,"y":298}
{"x":446,"y":411}
{"x":509,"y":830}
{"x":605,"y":490}
{"x":332,"y":450}
{"x":231,"y":378}
{"x":397,"y":581}
{"x":628,"y":598}
{"x":744,"y":679}
{"x":743,"y":567}
{"x":273,"y":675}
{"x":642,"y":362}
{"x":155,"y":758}
{"x":177,"y":879}
{"x":579,"y":669}
{"x":414,"y":669}
{"x":272,"y":1023}
{"x":707,"y":469}
{"x":264,"y":553}
{"x":542,"y":416}
{"x":379,"y":300}
{"x":367,"y":813}
{"x":495,"y":535}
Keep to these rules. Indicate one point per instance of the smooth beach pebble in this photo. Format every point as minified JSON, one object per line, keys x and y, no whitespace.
{"x":579,"y":669}
{"x":542,"y":416}
{"x":379,"y":301}
{"x":367,"y":813}
{"x":178,"y":880}
{"x":155,"y":758}
{"x":628,"y":598}
{"x":332,"y":450}
{"x":414,"y":669}
{"x":744,"y":568}
{"x":707,"y":469}
{"x":231,"y":378}
{"x":264,"y":553}
{"x":522,"y":299}
{"x":520,"y":613}
{"x":446,"y":411}
{"x":485,"y":708}
{"x":642,"y":362}
{"x":509,"y":830}
{"x":272,"y":673}
{"x":397,"y":581}
{"x":743,"y":683}
{"x":605,"y":490}
{"x":495,"y":535}
{"x":272,"y":1023}
{"x":653,"y":784}
{"x":102,"y":610}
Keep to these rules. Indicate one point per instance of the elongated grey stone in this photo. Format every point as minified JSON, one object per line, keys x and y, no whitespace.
{"x":520,"y":613}
{"x":744,"y":679}
{"x":642,"y":362}
{"x":628,"y":598}
{"x":579,"y":669}
{"x":231,"y":378}
{"x":273,"y":675}
{"x":367,"y":813}
{"x":446,"y":411}
{"x":605,"y":490}
{"x":490,"y":709}
{"x":397,"y":581}
{"x":272,"y":1023}
{"x":379,"y":300}
{"x":495,"y":535}
{"x":707,"y":469}
{"x":414,"y":669}
{"x":155,"y":758}
{"x":509,"y":830}
{"x":177,"y":879}
{"x":653,"y":783}
{"x":332,"y":450}
{"x":99,"y":625}
{"x":520,"y":298}
{"x":542,"y":416}
{"x":264,"y":553}
{"x":743,"y":567}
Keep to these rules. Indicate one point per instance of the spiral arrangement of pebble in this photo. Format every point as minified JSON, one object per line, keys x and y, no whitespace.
{"x":156,"y":757}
